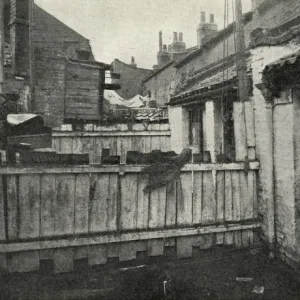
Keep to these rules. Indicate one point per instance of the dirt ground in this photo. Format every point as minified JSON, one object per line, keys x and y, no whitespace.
{"x":214,"y":274}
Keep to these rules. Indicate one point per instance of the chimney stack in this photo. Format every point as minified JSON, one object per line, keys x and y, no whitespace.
{"x":180,"y":37}
{"x":160,"y":41}
{"x":175,"y":39}
{"x":19,"y":32}
{"x":205,"y":30}
{"x":165,"y":48}
{"x":133,"y":64}
{"x":202,"y":18}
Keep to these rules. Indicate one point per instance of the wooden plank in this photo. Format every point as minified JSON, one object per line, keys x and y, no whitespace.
{"x":110,"y":132}
{"x":96,"y":168}
{"x":143,"y":204}
{"x":157,"y":208}
{"x":155,"y":247}
{"x":82,"y":189}
{"x":77,"y":146}
{"x":48,"y":199}
{"x":127,"y":251}
{"x":97,"y":255}
{"x":148,"y":145}
{"x":113,"y":250}
{"x":124,"y":237}
{"x":24,"y":262}
{"x":255,"y":200}
{"x":141,"y":246}
{"x":228,"y":238}
{"x":112,"y":201}
{"x":3,"y":262}
{"x":244,"y":206}
{"x":81,"y":252}
{"x":250,"y":200}
{"x":171,"y":205}
{"x":29,"y":206}
{"x":185,"y":202}
{"x":64,"y":204}
{"x":47,"y":254}
{"x":209,"y":201}
{"x":63,"y":260}
{"x":207,"y":241}
{"x":155,"y":143}
{"x":220,"y":204}
{"x":2,"y":213}
{"x":12,"y":207}
{"x":98,"y":208}
{"x":236,"y":208}
{"x":128,"y":202}
{"x":66,"y":145}
{"x":197,"y":198}
{"x":185,"y":247}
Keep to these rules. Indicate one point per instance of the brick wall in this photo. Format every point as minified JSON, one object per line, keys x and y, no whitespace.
{"x":162,"y":85}
{"x":131,"y":78}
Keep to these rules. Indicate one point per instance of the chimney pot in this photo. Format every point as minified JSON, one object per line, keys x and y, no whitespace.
{"x":180,"y":37}
{"x":160,"y":40}
{"x":202,"y":18}
{"x":175,"y":39}
{"x":212,"y":18}
{"x":165,"y":48}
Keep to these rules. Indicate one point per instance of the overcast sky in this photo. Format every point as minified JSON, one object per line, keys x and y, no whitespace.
{"x":124,"y":28}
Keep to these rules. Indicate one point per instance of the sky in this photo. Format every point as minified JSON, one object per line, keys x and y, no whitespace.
{"x":124,"y":28}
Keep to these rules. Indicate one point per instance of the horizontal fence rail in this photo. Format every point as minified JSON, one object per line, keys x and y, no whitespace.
{"x":98,"y":212}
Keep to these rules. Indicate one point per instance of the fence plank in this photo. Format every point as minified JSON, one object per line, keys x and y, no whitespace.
{"x":185,"y":202}
{"x":244,"y":205}
{"x":197,"y":198}
{"x":128,"y":201}
{"x":63,"y":260}
{"x":82,"y":189}
{"x":112,"y":200}
{"x":228,"y":238}
{"x":22,"y":262}
{"x":127,"y":251}
{"x":97,"y":255}
{"x":48,"y":198}
{"x":66,"y":145}
{"x":155,"y":247}
{"x":209,"y":203}
{"x":29,"y":206}
{"x":236,"y":213}
{"x":171,"y":205}
{"x":77,"y":146}
{"x":220,"y":204}
{"x":12,"y":207}
{"x":64,"y":206}
{"x":98,"y":209}
{"x":2,"y":213}
{"x":143,"y":204}
{"x":185,"y":247}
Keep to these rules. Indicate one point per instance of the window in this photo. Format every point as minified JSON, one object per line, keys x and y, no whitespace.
{"x":196,"y":132}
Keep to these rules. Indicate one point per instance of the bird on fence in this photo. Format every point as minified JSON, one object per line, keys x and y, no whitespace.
{"x":159,"y":174}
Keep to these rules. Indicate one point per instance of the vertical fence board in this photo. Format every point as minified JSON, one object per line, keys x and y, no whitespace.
{"x":185,"y":202}
{"x":220,"y":204}
{"x":82,"y":203}
{"x":197,"y":198}
{"x":154,"y":209}
{"x":66,"y":145}
{"x":143,"y":204}
{"x":209,"y":203}
{"x":128,"y":201}
{"x":56,"y":141}
{"x":127,"y":251}
{"x":2,"y":213}
{"x":155,"y":247}
{"x":228,"y":206}
{"x":12,"y":207}
{"x":236,"y":198}
{"x":77,"y":145}
{"x":97,"y":255}
{"x":244,"y":205}
{"x":22,"y":262}
{"x":98,"y":149}
{"x":171,"y":205}
{"x":98,"y":209}
{"x":112,"y":202}
{"x":148,"y":146}
{"x":64,"y":220}
{"x":29,"y":206}
{"x":48,"y":198}
{"x":255,"y":203}
{"x":155,"y":143}
{"x":63,"y":260}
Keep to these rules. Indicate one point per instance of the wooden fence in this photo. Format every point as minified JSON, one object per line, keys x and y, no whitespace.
{"x":97,"y":212}
{"x":117,"y":138}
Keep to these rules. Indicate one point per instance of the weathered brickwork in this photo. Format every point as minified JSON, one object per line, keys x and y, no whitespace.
{"x":131,"y":78}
